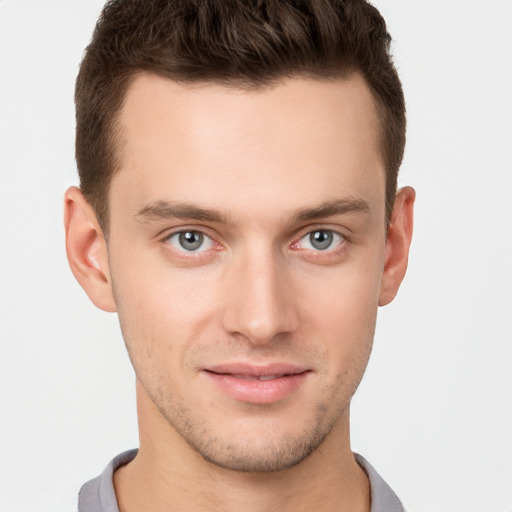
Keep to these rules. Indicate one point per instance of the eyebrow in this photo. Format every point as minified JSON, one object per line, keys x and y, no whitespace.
{"x":165,"y":210}
{"x":331,"y":208}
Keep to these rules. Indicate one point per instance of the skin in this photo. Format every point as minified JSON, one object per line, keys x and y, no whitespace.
{"x":256,"y":172}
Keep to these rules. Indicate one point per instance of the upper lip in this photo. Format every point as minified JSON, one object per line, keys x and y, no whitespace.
{"x":250,"y":370}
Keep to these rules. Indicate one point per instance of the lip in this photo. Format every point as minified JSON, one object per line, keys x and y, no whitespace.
{"x":257,"y":384}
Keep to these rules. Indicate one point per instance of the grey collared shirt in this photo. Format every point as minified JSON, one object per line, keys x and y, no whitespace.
{"x":98,"y":495}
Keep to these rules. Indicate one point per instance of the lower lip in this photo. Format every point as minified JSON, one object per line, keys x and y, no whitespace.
{"x":258,"y":391}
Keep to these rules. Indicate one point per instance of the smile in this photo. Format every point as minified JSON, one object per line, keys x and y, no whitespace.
{"x":262,"y":377}
{"x":258,"y":385}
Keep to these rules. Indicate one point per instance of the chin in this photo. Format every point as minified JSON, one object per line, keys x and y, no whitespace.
{"x":258,"y":447}
{"x":263,"y":459}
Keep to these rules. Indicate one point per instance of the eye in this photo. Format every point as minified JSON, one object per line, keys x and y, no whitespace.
{"x":321,"y":240}
{"x":190,"y":241}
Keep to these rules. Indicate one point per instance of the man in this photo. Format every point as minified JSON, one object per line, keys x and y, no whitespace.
{"x":238,"y":209}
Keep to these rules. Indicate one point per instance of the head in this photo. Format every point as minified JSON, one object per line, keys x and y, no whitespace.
{"x":242,"y":159}
{"x":245,"y":45}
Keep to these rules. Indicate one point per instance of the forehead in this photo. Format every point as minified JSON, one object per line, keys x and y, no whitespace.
{"x":301,"y":140}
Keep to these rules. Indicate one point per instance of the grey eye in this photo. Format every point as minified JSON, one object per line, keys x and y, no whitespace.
{"x":190,"y":241}
{"x":321,"y":239}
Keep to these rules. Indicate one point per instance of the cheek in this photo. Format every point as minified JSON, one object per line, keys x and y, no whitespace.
{"x":341,"y":310}
{"x":161,"y":309}
{"x":151,"y":289}
{"x":347,"y":294}
{"x":346,"y":327}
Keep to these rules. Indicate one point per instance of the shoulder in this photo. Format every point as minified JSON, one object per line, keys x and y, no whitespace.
{"x":382,"y":496}
{"x":98,"y":495}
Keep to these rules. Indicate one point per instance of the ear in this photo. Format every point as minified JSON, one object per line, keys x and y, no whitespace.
{"x":87,"y":250}
{"x":397,"y":245}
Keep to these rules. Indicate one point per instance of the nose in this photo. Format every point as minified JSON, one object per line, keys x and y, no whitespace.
{"x":260,"y":304}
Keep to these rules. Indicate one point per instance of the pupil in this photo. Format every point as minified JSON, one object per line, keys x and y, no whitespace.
{"x":191,"y":240}
{"x":321,"y":239}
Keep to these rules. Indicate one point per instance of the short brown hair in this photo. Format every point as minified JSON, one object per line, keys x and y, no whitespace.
{"x":245,"y":43}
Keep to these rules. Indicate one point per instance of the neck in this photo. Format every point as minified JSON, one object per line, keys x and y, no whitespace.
{"x":168,"y":475}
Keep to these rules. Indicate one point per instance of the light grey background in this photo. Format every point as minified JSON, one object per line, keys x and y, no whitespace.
{"x":434,"y":412}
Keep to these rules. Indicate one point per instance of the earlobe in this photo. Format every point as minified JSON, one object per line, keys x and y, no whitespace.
{"x":87,"y":250}
{"x":398,"y":242}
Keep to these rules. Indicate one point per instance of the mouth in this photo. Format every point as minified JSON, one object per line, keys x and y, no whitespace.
{"x":258,"y":384}
{"x":261,"y":377}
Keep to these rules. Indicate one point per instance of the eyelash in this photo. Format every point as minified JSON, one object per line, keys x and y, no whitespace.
{"x":185,"y":255}
{"x":216,"y":246}
{"x":334,"y":235}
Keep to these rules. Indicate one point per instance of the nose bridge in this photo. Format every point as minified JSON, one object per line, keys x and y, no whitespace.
{"x":260,"y":305}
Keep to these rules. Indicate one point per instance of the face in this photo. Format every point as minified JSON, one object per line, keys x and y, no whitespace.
{"x":246,"y":252}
